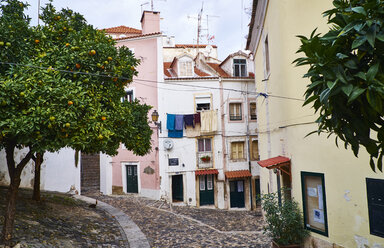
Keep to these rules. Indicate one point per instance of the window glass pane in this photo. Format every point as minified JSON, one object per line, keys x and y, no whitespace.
{"x":200,"y":143}
{"x":208,"y":145}
{"x":236,"y":71}
{"x":243,"y":71}
{"x":209,"y":182}
{"x":202,"y":182}
{"x":203,"y":106}
{"x":135,"y":171}
{"x":252,"y":110}
{"x":235,"y":111}
{"x":232,"y":186}
{"x":129,"y":170}
{"x":314,"y":202}
{"x":255,"y":150}
{"x":240,"y":186}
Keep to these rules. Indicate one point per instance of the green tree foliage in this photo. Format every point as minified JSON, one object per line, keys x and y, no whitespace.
{"x":61,"y":85}
{"x":347,"y":75}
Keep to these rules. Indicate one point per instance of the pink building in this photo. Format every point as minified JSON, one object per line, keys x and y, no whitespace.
{"x":130,"y":173}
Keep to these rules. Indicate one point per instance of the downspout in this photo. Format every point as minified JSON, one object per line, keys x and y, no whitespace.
{"x":249,"y":143}
{"x":223,"y":141}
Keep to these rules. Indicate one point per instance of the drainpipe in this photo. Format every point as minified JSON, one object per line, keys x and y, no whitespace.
{"x":248,"y":141}
{"x":223,"y":141}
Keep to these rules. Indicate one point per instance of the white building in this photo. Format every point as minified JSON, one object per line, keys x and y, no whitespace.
{"x":214,"y":162}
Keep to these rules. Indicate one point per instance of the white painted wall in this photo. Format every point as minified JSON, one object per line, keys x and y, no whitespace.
{"x":105,"y":174}
{"x":58,"y":171}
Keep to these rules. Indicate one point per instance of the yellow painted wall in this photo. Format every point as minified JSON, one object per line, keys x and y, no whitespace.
{"x":344,"y":174}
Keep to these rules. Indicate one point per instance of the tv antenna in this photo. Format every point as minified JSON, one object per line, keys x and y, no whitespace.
{"x":151,"y":2}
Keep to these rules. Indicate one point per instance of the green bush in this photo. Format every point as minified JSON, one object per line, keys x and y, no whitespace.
{"x":285,"y":222}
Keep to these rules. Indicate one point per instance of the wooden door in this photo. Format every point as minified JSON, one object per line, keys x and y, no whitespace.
{"x":132,"y":186}
{"x":206,"y":190}
{"x":237,"y":194}
{"x":177,"y":188}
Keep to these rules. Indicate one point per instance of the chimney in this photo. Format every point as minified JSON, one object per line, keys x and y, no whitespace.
{"x":150,"y":22}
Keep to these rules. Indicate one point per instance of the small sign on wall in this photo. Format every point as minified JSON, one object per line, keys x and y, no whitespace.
{"x":173,"y":161}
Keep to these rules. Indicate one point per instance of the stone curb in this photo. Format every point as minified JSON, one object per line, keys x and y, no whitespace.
{"x":135,"y":236}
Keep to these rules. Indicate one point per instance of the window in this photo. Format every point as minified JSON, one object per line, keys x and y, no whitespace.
{"x":203,"y":106}
{"x":185,"y":69}
{"x":235,"y":112}
{"x":252,"y":111}
{"x":209,"y":182}
{"x":128,"y":96}
{"x":266,"y":57}
{"x":203,"y":101}
{"x":239,"y":68}
{"x":204,"y":145}
{"x":375,"y":195}
{"x":254,"y":150}
{"x":314,"y":202}
{"x":202,"y":182}
{"x":237,"y":150}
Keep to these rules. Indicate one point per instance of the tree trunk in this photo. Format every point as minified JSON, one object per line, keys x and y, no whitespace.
{"x":15,"y":176}
{"x":36,"y":184}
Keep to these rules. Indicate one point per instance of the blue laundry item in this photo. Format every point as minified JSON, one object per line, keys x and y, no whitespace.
{"x":175,"y":133}
{"x":179,"y":121}
{"x":171,"y":122}
{"x":188,"y":121}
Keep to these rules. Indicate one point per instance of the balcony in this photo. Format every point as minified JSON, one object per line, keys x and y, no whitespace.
{"x":235,"y":117}
{"x":204,"y":160}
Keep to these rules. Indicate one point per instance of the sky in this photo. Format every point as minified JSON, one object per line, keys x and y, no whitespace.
{"x":227,"y":19}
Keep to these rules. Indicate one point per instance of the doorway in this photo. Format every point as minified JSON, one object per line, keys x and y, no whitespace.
{"x":177,"y":188}
{"x":132,"y":186}
{"x":237,"y":194}
{"x":206,"y":190}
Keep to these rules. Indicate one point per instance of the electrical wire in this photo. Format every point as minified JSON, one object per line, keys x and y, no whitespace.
{"x":265,"y":95}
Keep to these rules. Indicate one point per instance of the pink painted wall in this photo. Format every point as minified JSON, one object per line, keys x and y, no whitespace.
{"x":146,"y":49}
{"x":150,"y":22}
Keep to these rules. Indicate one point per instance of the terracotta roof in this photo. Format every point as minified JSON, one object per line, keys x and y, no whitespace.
{"x":274,"y":162}
{"x":201,"y":73}
{"x":218,"y":69}
{"x":206,"y":172}
{"x":193,"y":46}
{"x":122,"y":30}
{"x":238,"y":174}
{"x":137,"y":36}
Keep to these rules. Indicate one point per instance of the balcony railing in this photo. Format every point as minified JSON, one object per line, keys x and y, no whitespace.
{"x":204,"y":160}
{"x":235,"y":117}
{"x":253,"y":117}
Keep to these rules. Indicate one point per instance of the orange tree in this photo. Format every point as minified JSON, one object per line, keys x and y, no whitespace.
{"x":347,"y":76}
{"x":65,"y":91}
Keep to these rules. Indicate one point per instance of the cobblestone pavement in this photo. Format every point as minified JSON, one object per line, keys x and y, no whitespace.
{"x":60,"y":221}
{"x":181,"y":226}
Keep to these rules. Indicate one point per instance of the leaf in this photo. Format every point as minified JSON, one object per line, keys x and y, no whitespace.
{"x":347,"y":89}
{"x":355,"y":94}
{"x":374,"y":100}
{"x":358,"y":41}
{"x":351,"y":64}
{"x":341,"y":56}
{"x":371,"y":35}
{"x":372,"y":72}
{"x":309,"y":100}
{"x":361,"y":75}
{"x":372,"y":164}
{"x":380,"y":37}
{"x":331,"y":84}
{"x":359,"y":10}
{"x":324,"y":95}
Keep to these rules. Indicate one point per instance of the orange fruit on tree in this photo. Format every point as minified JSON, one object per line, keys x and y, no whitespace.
{"x":70,"y":103}
{"x":103,"y":118}
{"x":92,"y":52}
{"x":37,"y":41}
{"x":110,"y":58}
{"x":78,"y":66}
{"x":114,"y":79}
{"x":67,"y":44}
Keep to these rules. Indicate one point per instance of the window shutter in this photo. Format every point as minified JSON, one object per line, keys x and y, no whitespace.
{"x":241,"y":150}
{"x":234,"y":150}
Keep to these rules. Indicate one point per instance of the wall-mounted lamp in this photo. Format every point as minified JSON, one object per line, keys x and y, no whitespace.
{"x":155,"y":118}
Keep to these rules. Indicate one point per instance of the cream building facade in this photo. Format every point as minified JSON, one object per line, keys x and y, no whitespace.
{"x":339,"y":194}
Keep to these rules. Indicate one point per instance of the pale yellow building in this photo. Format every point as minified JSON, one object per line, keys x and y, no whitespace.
{"x":330,"y":183}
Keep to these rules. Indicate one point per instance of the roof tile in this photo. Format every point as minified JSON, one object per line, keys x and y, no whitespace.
{"x":279,"y":160}
{"x":122,"y":30}
{"x":206,"y":172}
{"x":238,"y":174}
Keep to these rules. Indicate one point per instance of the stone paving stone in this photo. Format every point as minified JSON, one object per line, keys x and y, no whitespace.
{"x":61,"y":221}
{"x":176,"y":226}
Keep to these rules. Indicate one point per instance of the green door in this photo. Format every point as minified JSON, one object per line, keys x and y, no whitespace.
{"x":132,"y":179}
{"x":177,"y":188}
{"x":206,"y":190}
{"x":237,"y":194}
